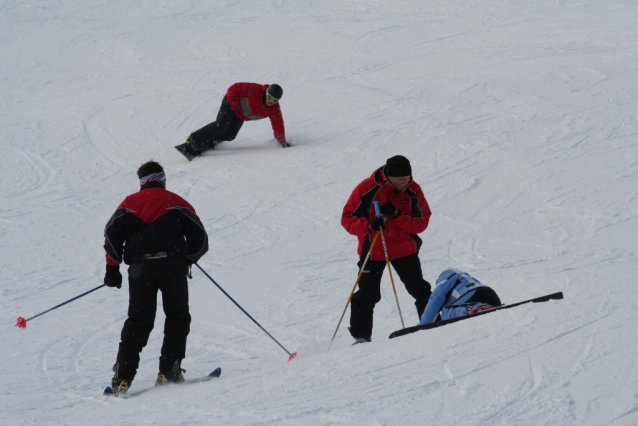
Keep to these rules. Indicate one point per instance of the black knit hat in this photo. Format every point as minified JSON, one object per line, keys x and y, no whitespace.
{"x":275,"y":91}
{"x":398,"y":166}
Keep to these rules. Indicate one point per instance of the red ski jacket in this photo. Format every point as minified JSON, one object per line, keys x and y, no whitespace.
{"x":153,"y":224}
{"x":400,"y":233}
{"x":247,"y":100}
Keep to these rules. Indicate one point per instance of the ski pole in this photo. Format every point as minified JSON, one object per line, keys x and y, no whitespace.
{"x":353,"y":288}
{"x":387,"y":260}
{"x":292,"y":355}
{"x":22,"y":323}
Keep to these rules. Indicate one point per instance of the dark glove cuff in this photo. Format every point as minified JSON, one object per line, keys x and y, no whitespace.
{"x":112,"y":269}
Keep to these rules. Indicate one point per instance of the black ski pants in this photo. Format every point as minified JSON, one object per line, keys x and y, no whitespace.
{"x":363,"y":301}
{"x":169,"y":276}
{"x":225,"y":128}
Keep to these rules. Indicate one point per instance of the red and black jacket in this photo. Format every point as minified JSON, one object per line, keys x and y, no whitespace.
{"x":247,"y":100}
{"x":153,"y":224}
{"x":401,"y":232}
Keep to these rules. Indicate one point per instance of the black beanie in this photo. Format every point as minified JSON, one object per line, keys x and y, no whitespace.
{"x":398,"y":166}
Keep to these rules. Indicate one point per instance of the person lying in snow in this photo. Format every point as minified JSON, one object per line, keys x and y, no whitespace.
{"x":458,"y":294}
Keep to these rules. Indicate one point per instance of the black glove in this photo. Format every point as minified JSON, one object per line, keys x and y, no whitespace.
{"x":390,"y":210}
{"x":113,"y":277}
{"x":376,"y":224}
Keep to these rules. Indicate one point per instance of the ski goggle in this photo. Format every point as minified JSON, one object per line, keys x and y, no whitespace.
{"x":271,"y":98}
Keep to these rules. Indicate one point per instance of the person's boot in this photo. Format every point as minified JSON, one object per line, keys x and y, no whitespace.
{"x":358,"y":340}
{"x":163,"y":378}
{"x":120,"y":386}
{"x":170,"y":372}
{"x":193,"y":147}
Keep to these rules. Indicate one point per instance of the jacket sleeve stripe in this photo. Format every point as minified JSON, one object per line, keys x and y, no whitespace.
{"x":416,"y":210}
{"x":363,"y":209}
{"x":112,"y":247}
{"x":200,"y":237}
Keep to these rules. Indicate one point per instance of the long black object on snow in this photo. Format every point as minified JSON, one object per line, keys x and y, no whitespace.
{"x":247,"y":314}
{"x":409,"y":330}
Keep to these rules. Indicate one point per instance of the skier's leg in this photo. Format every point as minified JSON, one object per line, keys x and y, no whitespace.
{"x":409,"y":270}
{"x":140,"y":321}
{"x":364,"y":300}
{"x":233,"y":129}
{"x":222,"y":129}
{"x":173,"y":282}
{"x":226,"y":132}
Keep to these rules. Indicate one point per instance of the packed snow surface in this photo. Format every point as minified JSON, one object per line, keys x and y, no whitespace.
{"x":521,"y":123}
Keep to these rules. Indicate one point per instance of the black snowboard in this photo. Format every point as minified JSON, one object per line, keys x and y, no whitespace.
{"x":186,"y":153}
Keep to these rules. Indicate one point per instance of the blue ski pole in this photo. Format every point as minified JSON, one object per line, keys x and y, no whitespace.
{"x":292,"y":355}
{"x":22,"y":323}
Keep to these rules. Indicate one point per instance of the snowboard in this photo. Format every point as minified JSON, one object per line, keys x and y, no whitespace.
{"x":182,"y":150}
{"x":203,"y":148}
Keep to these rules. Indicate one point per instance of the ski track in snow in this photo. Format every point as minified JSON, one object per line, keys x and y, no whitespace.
{"x":519,"y":120}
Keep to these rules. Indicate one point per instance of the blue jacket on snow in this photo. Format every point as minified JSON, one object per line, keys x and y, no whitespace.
{"x":451,"y":297}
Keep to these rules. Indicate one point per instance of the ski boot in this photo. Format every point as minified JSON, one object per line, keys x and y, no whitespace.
{"x":170,"y":371}
{"x":163,"y":378}
{"x":358,"y":340}
{"x":120,"y":386}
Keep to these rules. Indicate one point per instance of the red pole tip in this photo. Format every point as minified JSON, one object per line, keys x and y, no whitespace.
{"x":22,"y":323}
{"x":292,"y":355}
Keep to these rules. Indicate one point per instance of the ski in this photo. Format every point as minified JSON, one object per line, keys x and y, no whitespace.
{"x":408,"y":330}
{"x":214,"y":374}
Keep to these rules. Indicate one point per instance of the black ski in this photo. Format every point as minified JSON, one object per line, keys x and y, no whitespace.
{"x":216,"y":373}
{"x":408,"y":330}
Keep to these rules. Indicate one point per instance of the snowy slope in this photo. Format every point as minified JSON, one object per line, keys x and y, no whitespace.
{"x":520,"y":119}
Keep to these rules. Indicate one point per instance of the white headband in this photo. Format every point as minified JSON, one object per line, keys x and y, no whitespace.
{"x":153,"y":177}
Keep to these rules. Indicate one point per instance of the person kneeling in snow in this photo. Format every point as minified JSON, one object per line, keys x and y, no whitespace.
{"x":458,"y":294}
{"x":243,"y":102}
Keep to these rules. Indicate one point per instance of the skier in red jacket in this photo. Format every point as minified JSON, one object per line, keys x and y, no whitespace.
{"x":406,"y":214}
{"x":159,"y":235}
{"x":243,"y":102}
